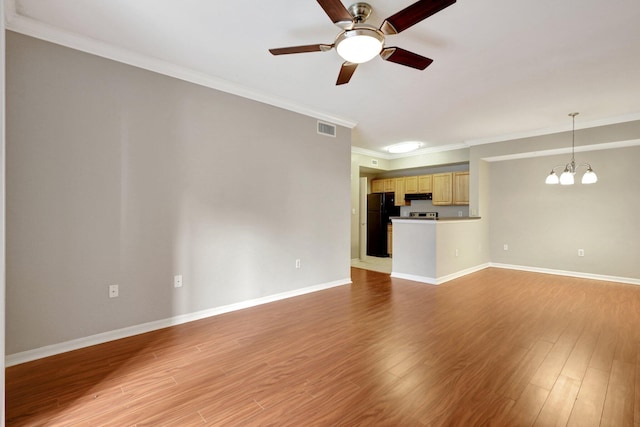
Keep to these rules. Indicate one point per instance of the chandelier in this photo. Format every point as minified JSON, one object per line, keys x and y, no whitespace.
{"x":566,"y":178}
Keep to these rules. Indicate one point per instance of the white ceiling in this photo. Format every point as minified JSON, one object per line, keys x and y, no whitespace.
{"x":502,"y":68}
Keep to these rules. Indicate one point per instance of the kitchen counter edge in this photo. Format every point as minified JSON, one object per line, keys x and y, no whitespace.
{"x":440,"y":219}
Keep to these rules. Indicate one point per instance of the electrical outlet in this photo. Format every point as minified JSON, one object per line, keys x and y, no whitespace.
{"x":506,"y":247}
{"x":298,"y":265}
{"x":580,"y":252}
{"x":177,"y":281}
{"x":114,"y":291}
{"x":460,"y":213}
{"x":457,"y":253}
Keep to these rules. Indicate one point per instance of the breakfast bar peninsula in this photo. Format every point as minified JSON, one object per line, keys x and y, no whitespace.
{"x":435,"y":251}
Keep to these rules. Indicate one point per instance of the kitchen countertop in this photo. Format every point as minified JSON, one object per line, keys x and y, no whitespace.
{"x":442,"y":218}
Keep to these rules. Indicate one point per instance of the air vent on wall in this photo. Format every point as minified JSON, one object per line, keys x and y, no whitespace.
{"x":374,"y":162}
{"x":326,"y":129}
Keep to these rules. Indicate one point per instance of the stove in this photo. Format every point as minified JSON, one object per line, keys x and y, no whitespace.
{"x":426,"y":215}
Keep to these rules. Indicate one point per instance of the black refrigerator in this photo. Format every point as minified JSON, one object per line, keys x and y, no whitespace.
{"x":380,"y":206}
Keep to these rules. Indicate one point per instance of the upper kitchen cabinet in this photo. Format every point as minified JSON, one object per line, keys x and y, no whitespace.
{"x":411,"y":184}
{"x":461,"y":188}
{"x":377,"y":186}
{"x":425,"y":184}
{"x":442,"y":189}
{"x":386,"y":185}
{"x":399,"y":185}
{"x":389,"y":185}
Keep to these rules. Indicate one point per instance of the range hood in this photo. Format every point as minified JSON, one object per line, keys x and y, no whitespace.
{"x":418,"y":196}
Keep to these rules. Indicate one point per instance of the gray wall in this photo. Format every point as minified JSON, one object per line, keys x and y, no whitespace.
{"x":545,"y":225}
{"x":2,"y":210}
{"x":120,"y":175}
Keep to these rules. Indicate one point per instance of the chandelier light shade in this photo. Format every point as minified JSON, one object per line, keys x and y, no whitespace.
{"x":567,"y":176}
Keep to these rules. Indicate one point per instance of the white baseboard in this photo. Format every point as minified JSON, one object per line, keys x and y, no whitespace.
{"x":461,"y":273}
{"x":602,"y":277}
{"x":440,"y":280}
{"x":50,"y":350}
{"x":414,"y":278}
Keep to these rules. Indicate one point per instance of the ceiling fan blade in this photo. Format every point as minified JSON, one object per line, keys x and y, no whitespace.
{"x":337,"y":12}
{"x":301,"y":49}
{"x":404,"y":57}
{"x":413,"y":14}
{"x":347,"y":70}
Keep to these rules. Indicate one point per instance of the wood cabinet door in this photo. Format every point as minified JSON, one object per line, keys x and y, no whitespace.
{"x":425,"y":184}
{"x":442,"y":189}
{"x":461,"y":188}
{"x":389,"y":185}
{"x":377,"y":186}
{"x":399,"y":192}
{"x":410,"y":184}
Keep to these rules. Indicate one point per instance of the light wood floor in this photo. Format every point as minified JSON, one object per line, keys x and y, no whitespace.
{"x":497,"y":347}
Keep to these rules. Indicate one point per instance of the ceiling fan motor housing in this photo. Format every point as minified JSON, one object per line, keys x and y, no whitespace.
{"x":360,"y":11}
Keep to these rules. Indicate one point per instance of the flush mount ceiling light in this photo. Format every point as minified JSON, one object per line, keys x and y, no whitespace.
{"x":566,"y":178}
{"x":404,"y":147}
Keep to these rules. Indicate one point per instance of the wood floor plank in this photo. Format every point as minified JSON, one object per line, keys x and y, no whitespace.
{"x":619,"y":401}
{"x":517,"y":382}
{"x":549,"y":370}
{"x":526,"y":409}
{"x":559,"y":404}
{"x":636,"y":416}
{"x":497,"y":347}
{"x":587,"y":410}
{"x":578,"y":360}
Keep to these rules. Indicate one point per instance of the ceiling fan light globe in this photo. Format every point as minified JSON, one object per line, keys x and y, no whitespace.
{"x":359,"y":45}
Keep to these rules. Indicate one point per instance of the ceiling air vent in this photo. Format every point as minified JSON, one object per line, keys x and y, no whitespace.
{"x":326,"y":129}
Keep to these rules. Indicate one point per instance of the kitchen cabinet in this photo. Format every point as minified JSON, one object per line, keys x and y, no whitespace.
{"x":389,"y":239}
{"x":425,"y":184}
{"x":377,"y":186}
{"x":442,"y":189}
{"x":389,"y":185}
{"x":460,"y":188}
{"x":398,"y":199}
{"x":451,"y":188}
{"x":410,"y":184}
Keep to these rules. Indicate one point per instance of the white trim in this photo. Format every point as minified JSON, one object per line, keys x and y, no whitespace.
{"x":414,"y":278}
{"x":33,"y":28}
{"x":422,"y":151}
{"x":462,"y":273}
{"x":556,"y":129}
{"x":601,"y":277}
{"x":50,"y":350}
{"x":443,"y":279}
{"x":566,"y":150}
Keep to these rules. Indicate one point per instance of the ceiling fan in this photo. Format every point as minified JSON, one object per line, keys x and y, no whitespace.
{"x":359,"y":42}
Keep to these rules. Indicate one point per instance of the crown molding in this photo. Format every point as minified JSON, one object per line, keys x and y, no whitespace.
{"x":33,"y":28}
{"x":422,"y":151}
{"x":565,"y":150}
{"x":556,"y":129}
